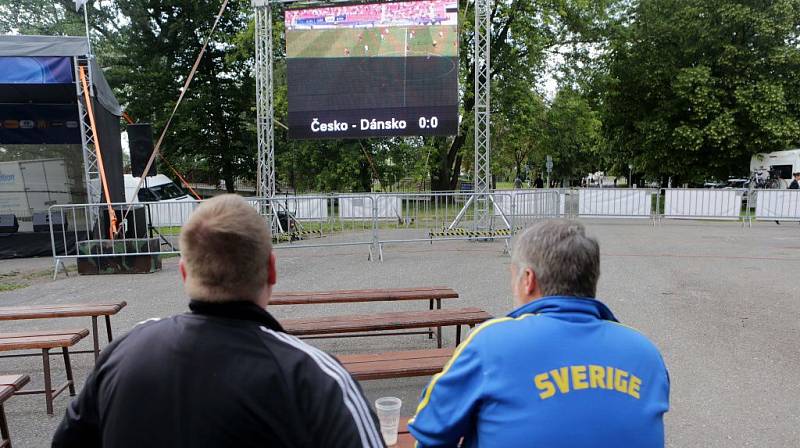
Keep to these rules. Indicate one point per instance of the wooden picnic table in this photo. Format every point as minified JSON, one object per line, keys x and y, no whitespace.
{"x":433,"y":294}
{"x":400,"y":364}
{"x":9,"y":384}
{"x":93,"y":310}
{"x":46,"y":341}
{"x":381,"y":324}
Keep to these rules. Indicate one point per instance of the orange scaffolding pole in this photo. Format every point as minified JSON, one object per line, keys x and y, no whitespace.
{"x":100,"y":166}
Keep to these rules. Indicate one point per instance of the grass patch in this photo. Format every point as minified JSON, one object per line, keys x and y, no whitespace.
{"x":5,"y":287}
{"x":38,"y":274}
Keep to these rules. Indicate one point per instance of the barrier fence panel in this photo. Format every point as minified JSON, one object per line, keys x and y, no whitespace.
{"x":326,"y":220}
{"x":304,"y":208}
{"x":427,"y":217}
{"x":84,"y":230}
{"x":153,"y":228}
{"x":616,"y":203}
{"x":360,"y":206}
{"x":533,"y":205}
{"x":704,"y":203}
{"x":374,"y":219}
{"x":777,"y":205}
{"x":169,"y":214}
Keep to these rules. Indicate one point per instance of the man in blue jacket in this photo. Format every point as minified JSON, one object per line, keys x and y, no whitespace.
{"x":559,"y":371}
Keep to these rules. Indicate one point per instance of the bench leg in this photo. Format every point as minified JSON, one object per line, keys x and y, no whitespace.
{"x":458,"y":335}
{"x":430,"y":330}
{"x":5,"y":441}
{"x":48,"y":387}
{"x":439,"y":329}
{"x":108,"y":328}
{"x":95,"y":338}
{"x":68,"y":368}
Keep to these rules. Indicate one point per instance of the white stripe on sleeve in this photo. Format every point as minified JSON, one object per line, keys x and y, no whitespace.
{"x":353,"y":399}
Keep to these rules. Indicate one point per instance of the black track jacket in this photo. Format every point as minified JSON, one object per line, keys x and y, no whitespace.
{"x":223,"y":375}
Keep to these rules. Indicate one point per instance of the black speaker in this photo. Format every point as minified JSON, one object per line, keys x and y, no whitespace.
{"x":41,"y":222}
{"x":9,"y":224}
{"x":140,"y":140}
{"x":135,"y":221}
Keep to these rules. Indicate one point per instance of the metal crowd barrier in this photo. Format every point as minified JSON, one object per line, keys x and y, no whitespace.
{"x":642,"y":203}
{"x":705,"y":203}
{"x":441,"y":216}
{"x":775,"y":205}
{"x":372,"y":220}
{"x":327,"y":220}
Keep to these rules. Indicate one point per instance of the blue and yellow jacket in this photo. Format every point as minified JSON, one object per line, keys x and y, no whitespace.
{"x":557,"y":372}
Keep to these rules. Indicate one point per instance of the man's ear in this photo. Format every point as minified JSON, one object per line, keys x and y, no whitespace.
{"x":272,"y":273}
{"x":182,"y":270}
{"x":531,"y":282}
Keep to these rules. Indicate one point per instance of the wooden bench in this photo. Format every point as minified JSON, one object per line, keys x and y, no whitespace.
{"x":9,"y":385}
{"x":46,"y":341}
{"x":373,"y":324}
{"x":74,"y":310}
{"x":432,"y":294}
{"x":404,"y":438}
{"x":92,"y":310}
{"x":401,"y":364}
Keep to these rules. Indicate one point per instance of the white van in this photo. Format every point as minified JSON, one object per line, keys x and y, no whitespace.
{"x":157,"y":188}
{"x":168,"y":204}
{"x":783,"y":162}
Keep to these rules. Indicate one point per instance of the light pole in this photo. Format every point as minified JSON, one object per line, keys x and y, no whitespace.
{"x":630,"y":175}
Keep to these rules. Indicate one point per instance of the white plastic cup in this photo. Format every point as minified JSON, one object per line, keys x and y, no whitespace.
{"x":388,"y":409}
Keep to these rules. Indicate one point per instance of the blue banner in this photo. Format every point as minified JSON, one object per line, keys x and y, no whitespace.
{"x":35,"y":70}
{"x":35,"y":124}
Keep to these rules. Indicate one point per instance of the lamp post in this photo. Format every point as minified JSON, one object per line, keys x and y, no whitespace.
{"x":630,"y":175}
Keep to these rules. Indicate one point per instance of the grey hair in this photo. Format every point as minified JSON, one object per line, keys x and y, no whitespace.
{"x":566,"y":261}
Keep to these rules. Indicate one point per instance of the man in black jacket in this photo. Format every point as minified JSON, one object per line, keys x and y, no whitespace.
{"x":224,"y":374}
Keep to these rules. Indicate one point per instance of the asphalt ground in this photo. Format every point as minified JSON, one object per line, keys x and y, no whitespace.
{"x":721,"y":301}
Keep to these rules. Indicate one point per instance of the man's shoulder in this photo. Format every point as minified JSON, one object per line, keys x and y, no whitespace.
{"x":533,"y":327}
{"x":499,"y":328}
{"x":290,"y":350}
{"x":633,"y":339}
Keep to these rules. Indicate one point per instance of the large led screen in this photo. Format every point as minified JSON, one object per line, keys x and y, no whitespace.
{"x":373,"y":70}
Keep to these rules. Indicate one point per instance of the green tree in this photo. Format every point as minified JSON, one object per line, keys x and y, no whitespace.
{"x":696,"y":87}
{"x":524,"y":34}
{"x":212,"y":131}
{"x":518,"y":129}
{"x":573,"y":136}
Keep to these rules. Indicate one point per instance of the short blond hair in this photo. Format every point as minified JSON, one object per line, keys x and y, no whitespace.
{"x":225,"y":246}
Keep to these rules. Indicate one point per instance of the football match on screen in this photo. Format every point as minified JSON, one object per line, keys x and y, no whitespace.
{"x":373,"y":69}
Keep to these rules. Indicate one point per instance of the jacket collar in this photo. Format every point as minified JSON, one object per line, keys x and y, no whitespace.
{"x":564,"y":305}
{"x":242,"y":310}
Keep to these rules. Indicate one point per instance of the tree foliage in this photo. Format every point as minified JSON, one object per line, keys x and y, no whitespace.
{"x":682,"y":88}
{"x":696,"y":87}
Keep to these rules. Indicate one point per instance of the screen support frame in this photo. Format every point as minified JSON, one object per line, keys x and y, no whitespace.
{"x":481,"y":200}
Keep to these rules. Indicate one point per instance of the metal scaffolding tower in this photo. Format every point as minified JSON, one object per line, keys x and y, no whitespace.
{"x":91,"y":167}
{"x":265,"y":108}
{"x":481,"y":201}
{"x":483,"y":152}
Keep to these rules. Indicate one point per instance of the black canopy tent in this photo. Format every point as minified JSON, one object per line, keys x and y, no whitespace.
{"x":47,"y":97}
{"x":41,"y":115}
